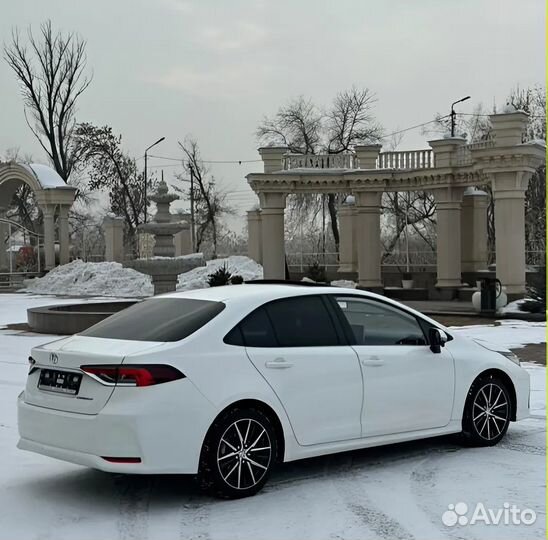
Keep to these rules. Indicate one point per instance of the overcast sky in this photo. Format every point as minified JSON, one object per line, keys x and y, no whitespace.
{"x":214,"y":68}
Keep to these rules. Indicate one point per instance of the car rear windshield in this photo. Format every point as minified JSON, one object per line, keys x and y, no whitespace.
{"x":158,"y":319}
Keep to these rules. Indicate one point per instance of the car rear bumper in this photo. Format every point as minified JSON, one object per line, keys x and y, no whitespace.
{"x":164,"y":429}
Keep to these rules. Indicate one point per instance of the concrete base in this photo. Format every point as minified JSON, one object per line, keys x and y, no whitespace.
{"x":444,"y":293}
{"x":399,"y":293}
{"x":72,"y":318}
{"x":465,"y":293}
{"x":164,"y":283}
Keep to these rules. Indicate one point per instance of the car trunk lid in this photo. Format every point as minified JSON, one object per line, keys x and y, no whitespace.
{"x":56,"y":381}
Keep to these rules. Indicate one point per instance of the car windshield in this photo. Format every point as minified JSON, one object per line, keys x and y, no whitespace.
{"x":157,"y":319}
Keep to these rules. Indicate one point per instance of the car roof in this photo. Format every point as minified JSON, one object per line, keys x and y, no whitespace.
{"x":258,"y":291}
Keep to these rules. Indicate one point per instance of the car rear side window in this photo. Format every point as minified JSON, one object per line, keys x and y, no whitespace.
{"x":256,"y":330}
{"x":302,"y":321}
{"x":157,"y":319}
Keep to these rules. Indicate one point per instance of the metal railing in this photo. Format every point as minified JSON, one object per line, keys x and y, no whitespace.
{"x":17,"y":226}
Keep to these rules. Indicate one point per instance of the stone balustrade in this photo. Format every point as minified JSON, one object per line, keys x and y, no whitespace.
{"x":320,"y":161}
{"x":412,"y":159}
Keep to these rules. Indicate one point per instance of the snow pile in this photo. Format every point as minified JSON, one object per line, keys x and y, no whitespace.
{"x":92,"y":279}
{"x":345,"y":283}
{"x":80,"y":278}
{"x":512,"y":307}
{"x":236,"y":265}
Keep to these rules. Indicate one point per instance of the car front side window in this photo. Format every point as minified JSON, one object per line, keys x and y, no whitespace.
{"x":377,"y":323}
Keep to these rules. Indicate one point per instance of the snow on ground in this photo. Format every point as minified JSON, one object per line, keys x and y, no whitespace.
{"x":508,"y":333}
{"x":80,"y":278}
{"x":387,"y":493}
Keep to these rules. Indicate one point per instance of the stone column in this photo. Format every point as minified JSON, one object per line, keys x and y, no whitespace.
{"x":473,"y":227}
{"x":4,"y":231}
{"x":254,"y":235}
{"x":446,"y":151}
{"x":272,"y":157}
{"x":272,"y":232}
{"x":367,"y":155}
{"x":48,"y":211}
{"x":347,"y":233}
{"x":369,"y":239}
{"x":183,"y":239}
{"x":113,"y":228}
{"x":448,"y":208}
{"x":64,"y":238}
{"x":509,"y":194}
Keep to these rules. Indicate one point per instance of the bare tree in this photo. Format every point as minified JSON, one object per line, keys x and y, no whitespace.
{"x":350,"y":120}
{"x":302,"y":127}
{"x":297,"y":125}
{"x":209,"y":202}
{"x":113,"y":170}
{"x":50,"y":70}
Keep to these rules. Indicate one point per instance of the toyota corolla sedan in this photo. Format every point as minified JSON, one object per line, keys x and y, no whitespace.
{"x":225,"y":382}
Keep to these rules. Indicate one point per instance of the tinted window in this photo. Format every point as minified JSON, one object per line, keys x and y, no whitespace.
{"x":158,"y":319}
{"x":257,"y":331}
{"x":302,"y":322}
{"x":374,"y":323}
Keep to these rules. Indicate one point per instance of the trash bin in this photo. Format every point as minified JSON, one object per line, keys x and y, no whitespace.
{"x":490,"y":291}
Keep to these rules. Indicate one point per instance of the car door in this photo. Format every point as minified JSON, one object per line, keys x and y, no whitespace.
{"x":298,"y":346}
{"x":407,"y":387}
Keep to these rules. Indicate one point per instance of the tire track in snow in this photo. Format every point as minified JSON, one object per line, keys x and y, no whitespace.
{"x":133,"y":506}
{"x":194,"y":519}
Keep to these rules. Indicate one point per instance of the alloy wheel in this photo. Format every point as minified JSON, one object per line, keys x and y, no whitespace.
{"x":244,"y":453}
{"x":490,"y":411}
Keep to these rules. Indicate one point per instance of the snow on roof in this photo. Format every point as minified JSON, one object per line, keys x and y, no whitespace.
{"x":47,"y":177}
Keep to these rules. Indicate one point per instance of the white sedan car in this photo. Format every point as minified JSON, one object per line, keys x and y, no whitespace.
{"x":225,"y":382}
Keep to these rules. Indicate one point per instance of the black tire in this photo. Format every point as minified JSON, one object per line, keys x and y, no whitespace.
{"x":238,"y":454}
{"x":487,"y":412}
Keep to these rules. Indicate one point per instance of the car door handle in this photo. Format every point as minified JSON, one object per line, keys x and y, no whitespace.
{"x":374,"y":361}
{"x":278,"y":363}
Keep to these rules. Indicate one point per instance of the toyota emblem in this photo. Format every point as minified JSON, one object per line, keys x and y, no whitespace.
{"x":53,"y":358}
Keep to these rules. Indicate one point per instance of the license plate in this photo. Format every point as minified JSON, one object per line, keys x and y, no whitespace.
{"x":63,"y":382}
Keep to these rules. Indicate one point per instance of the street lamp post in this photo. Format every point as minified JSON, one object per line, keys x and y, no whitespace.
{"x":454,"y":114}
{"x":146,"y":178}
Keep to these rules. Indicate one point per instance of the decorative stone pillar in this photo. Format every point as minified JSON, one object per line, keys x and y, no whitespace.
{"x":368,"y":207}
{"x":509,"y":194}
{"x":48,"y":211}
{"x":367,"y":155}
{"x":473,"y":236}
{"x":272,"y":157}
{"x":113,"y":228}
{"x":448,"y":208}
{"x":272,"y":232}
{"x":183,"y":239}
{"x":4,"y":231}
{"x":446,"y":151}
{"x":348,"y":260}
{"x":64,"y":238}
{"x":509,"y":164}
{"x":254,"y":235}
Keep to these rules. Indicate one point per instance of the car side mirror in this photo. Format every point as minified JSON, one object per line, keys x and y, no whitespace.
{"x":437,"y":339}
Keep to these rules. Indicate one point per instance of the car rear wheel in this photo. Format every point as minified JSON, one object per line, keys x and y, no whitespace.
{"x":238,"y":454}
{"x":487,"y":412}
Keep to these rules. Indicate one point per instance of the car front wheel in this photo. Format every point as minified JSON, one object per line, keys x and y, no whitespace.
{"x":238,"y":454}
{"x":487,"y":412}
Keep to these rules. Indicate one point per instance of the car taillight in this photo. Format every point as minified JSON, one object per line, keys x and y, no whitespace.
{"x":133,"y":375}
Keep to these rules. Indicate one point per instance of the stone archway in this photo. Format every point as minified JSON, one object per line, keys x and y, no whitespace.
{"x":51,"y":193}
{"x":450,"y":169}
